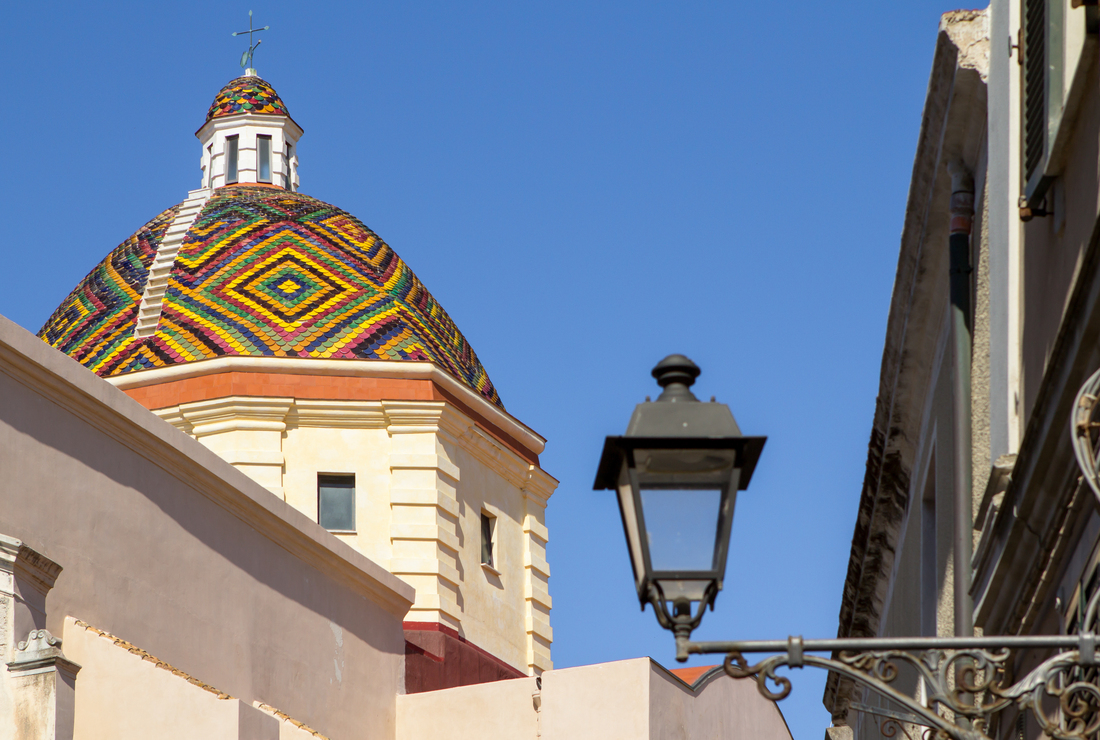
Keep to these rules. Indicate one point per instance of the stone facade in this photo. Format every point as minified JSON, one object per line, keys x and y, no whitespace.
{"x":428,"y":457}
{"x":1035,"y":324}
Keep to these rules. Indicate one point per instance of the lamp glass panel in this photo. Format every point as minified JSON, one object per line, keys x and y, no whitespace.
{"x":682,"y":494}
{"x":681,"y":527}
{"x":630,"y":524}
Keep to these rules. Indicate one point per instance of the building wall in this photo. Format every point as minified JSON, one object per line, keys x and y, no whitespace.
{"x":626,"y":700}
{"x":901,"y":571}
{"x":1036,"y":341}
{"x":425,"y":470}
{"x":166,"y":546}
{"x":1054,"y":246}
{"x":128,"y":694}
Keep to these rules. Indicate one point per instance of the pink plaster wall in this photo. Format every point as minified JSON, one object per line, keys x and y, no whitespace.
{"x":168,"y":547}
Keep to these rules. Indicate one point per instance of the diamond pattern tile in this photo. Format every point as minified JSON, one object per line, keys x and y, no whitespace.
{"x":265,"y":272}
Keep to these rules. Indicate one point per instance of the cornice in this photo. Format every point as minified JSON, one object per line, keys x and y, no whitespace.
{"x":508,"y":424}
{"x":504,"y":462}
{"x":9,"y":551}
{"x":539,"y":485}
{"x":954,"y":106}
{"x":49,"y":373}
{"x":235,"y":413}
{"x":238,"y":120}
{"x":35,"y":569}
{"x":413,"y":417}
{"x":308,"y":412}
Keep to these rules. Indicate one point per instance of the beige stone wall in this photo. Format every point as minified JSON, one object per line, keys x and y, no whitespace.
{"x":627,"y":700}
{"x":424,"y":473}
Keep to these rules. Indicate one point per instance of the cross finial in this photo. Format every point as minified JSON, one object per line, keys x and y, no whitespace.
{"x":246,"y":58}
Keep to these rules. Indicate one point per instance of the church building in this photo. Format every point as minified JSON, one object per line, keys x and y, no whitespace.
{"x":257,"y":484}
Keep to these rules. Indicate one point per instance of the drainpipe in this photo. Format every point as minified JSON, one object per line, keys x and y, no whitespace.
{"x":962,"y":216}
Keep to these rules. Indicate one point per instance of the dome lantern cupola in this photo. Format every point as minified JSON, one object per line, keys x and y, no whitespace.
{"x":249,"y":137}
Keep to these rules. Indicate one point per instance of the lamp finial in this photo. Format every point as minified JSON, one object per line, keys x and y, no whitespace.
{"x":676,"y":373}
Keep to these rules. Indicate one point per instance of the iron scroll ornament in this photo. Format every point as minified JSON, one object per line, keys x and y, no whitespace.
{"x":963,"y":677}
{"x":1085,"y":434}
{"x":1078,"y":701}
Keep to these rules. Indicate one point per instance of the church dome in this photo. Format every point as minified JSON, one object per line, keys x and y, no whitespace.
{"x":260,"y":271}
{"x":247,"y":94}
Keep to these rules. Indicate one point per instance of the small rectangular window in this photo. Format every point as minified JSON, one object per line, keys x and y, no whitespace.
{"x":210,"y":166}
{"x":263,"y":144}
{"x":336,"y":502}
{"x":231,"y":159}
{"x":488,"y":530}
{"x":286,"y":174}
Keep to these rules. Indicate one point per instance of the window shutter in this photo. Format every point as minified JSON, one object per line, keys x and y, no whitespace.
{"x":1035,"y":85}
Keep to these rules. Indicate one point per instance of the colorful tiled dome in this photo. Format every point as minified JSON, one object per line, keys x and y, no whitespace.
{"x":247,"y":95}
{"x":262,"y":272}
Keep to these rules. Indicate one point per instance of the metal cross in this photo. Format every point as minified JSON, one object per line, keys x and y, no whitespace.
{"x":246,"y":58}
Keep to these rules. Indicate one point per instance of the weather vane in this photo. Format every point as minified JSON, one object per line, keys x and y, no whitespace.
{"x":246,"y":58}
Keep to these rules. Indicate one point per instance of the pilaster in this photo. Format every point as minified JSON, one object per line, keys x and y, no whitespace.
{"x":9,"y":550}
{"x":34,"y":696}
{"x":245,"y":431}
{"x":536,"y":586}
{"x":43,"y":687}
{"x":424,"y":531}
{"x":26,"y":576}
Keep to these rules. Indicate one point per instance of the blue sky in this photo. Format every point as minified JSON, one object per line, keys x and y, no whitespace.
{"x":586,"y":187}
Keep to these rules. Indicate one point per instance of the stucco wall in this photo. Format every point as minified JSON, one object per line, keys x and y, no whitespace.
{"x":424,"y":473}
{"x":168,"y":547}
{"x":502,"y":709}
{"x":1054,"y":246}
{"x":626,"y":700}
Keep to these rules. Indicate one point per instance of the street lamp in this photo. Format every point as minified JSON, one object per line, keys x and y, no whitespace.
{"x":677,"y":471}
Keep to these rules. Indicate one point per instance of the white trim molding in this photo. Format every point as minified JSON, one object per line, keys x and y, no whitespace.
{"x":403,"y":370}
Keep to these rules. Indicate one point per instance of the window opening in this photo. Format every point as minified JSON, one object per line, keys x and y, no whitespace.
{"x":231,"y":150}
{"x":210,"y":165}
{"x":263,"y":143}
{"x":488,"y":531}
{"x":286,"y":175}
{"x":336,"y":502}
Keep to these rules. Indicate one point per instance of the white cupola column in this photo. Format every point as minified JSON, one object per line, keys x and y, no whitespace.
{"x":247,"y":147}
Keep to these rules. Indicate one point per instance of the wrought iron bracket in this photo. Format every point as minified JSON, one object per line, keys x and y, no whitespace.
{"x":680,"y":621}
{"x":966,"y":679}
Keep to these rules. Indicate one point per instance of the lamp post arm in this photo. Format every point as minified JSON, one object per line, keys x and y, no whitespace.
{"x":849,"y":644}
{"x":966,"y":679}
